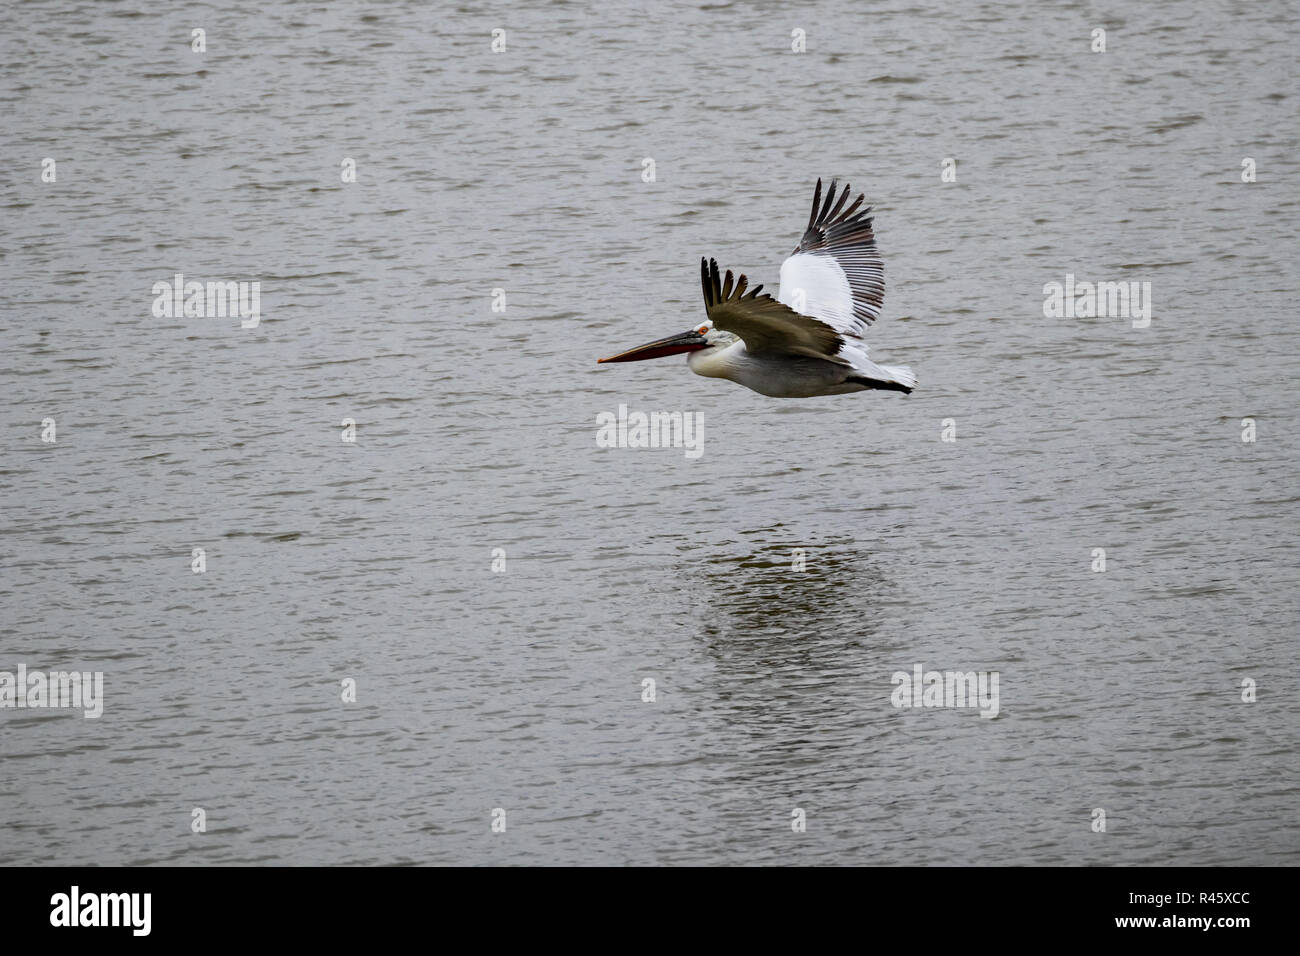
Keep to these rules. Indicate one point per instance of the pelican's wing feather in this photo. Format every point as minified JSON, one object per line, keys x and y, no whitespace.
{"x":766,"y":325}
{"x":836,"y":274}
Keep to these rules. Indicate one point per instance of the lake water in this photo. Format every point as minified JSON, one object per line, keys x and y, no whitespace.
{"x":475,"y":430}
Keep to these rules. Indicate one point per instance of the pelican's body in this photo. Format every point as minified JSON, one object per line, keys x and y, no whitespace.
{"x":808,"y":340}
{"x":777,"y":376}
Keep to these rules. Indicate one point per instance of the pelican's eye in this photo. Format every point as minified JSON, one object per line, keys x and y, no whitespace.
{"x":702,"y":329}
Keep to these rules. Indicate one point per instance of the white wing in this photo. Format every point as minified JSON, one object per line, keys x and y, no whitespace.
{"x":836,"y":274}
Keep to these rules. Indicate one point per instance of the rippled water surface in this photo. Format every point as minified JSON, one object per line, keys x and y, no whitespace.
{"x":475,"y":430}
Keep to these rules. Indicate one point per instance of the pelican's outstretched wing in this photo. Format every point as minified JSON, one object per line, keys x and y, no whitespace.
{"x":836,"y":274}
{"x":764,"y":323}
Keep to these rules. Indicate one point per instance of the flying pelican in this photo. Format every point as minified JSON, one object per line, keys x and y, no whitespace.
{"x":808,"y":340}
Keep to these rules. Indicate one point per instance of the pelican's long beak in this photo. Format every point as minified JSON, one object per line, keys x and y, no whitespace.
{"x":683,"y":342}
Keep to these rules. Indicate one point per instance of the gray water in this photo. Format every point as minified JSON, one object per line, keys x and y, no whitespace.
{"x":521,"y":689}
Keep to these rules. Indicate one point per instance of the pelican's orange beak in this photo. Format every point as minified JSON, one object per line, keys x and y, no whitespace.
{"x":685,"y":342}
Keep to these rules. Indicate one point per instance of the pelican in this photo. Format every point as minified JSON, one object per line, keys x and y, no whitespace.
{"x":808,"y":340}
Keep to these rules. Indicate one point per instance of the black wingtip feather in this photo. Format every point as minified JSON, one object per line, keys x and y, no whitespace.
{"x":830,"y":197}
{"x":817,"y":201}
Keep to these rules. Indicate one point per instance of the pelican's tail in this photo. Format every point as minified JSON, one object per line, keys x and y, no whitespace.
{"x":892,"y":378}
{"x":901,"y":374}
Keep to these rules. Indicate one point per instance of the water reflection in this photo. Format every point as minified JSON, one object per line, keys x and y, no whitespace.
{"x":798,"y":666}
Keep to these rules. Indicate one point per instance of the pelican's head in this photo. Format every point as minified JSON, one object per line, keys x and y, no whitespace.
{"x":703,"y":336}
